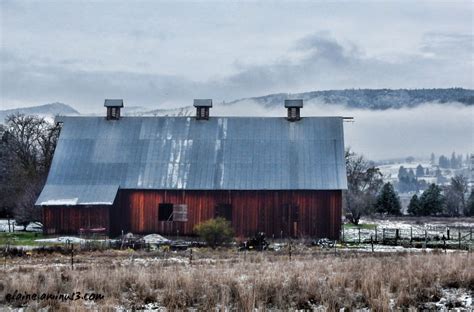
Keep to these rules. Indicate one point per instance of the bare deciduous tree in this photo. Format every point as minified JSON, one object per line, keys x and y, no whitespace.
{"x":455,"y":194}
{"x":27,"y":149}
{"x":364,"y":182}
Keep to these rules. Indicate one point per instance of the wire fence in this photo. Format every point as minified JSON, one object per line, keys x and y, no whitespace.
{"x":436,"y":237}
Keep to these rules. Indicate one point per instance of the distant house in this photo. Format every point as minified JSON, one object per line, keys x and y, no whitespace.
{"x":280,"y":175}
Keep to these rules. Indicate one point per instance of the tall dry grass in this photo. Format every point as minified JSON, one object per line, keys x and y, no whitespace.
{"x":262,"y":280}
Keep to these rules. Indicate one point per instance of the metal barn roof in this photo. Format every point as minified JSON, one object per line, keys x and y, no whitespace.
{"x":95,"y":157}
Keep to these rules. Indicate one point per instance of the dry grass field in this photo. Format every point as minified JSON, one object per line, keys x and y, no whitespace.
{"x":231,"y":280}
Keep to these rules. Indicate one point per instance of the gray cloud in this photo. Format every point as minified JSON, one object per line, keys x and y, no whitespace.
{"x":445,"y":44}
{"x":165,"y":54}
{"x":325,"y":64}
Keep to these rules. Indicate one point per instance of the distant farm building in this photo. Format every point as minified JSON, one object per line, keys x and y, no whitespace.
{"x":280,"y":175}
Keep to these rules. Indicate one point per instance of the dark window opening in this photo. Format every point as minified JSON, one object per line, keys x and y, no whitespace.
{"x":224,"y":211}
{"x":165,"y":212}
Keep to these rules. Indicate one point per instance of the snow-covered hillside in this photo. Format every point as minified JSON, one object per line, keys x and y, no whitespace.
{"x":47,"y":110}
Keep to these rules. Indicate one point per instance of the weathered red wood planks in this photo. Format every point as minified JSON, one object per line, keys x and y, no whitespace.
{"x":69,"y":219}
{"x":277,"y":213}
{"x":318,"y":213}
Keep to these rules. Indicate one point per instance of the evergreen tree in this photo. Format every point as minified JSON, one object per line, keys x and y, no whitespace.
{"x":402,"y":173}
{"x":454,"y":161}
{"x":420,"y":171}
{"x":431,"y":201}
{"x":388,"y":201}
{"x":414,"y":207}
{"x":459,"y":161}
{"x":469,"y":209}
{"x":444,"y":162}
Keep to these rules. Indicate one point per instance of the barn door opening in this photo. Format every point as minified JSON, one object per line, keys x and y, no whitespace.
{"x":224,"y":211}
{"x":165,"y":212}
{"x":290,"y":220}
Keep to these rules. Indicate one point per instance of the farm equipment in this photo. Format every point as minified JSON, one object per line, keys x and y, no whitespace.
{"x":258,"y":242}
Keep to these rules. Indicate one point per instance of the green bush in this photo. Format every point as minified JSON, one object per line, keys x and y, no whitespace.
{"x":215,"y":232}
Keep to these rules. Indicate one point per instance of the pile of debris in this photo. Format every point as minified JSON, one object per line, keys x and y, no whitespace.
{"x":258,"y":242}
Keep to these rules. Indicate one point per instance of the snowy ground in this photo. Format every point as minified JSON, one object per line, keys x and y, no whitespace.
{"x":434,"y":228}
{"x":32,"y":227}
{"x":453,"y":299}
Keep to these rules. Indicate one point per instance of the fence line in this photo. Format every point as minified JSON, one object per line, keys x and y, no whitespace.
{"x":447,"y":236}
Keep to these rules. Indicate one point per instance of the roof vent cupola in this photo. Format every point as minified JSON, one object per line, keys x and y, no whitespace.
{"x":294,"y":107}
{"x":202,"y":108}
{"x":113,"y":108}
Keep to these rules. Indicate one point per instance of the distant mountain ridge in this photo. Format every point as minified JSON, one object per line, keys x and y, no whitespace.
{"x":372,"y":99}
{"x":376,"y":99}
{"x":46,"y":110}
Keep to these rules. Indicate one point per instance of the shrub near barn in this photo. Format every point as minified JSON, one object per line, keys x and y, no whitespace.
{"x":215,"y":232}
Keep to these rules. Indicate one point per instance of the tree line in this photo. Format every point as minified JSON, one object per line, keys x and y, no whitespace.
{"x":367,"y":194}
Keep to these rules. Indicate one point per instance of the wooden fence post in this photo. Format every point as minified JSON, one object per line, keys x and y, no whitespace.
{"x":343,"y":233}
{"x":359,"y":235}
{"x":372,"y":243}
{"x":459,"y":238}
{"x":396,"y":236}
{"x":426,"y":238}
{"x":411,"y":235}
{"x":375,"y":234}
{"x":448,"y":234}
{"x":190,"y":256}
{"x":383,"y":236}
{"x":72,"y":256}
{"x":289,"y":251}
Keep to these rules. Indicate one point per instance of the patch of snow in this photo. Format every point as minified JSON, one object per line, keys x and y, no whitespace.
{"x":65,"y":201}
{"x":62,"y":239}
{"x":455,"y":298}
{"x":177,"y":260}
{"x":31,"y":227}
{"x":155,"y":239}
{"x":98,"y":203}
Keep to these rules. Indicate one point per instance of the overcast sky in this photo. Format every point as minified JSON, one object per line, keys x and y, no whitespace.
{"x":164,"y":54}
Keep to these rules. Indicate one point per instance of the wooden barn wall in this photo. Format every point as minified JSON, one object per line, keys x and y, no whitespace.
{"x":69,"y":219}
{"x":318,"y":212}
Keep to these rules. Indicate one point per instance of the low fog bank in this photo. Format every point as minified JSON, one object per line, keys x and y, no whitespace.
{"x":392,"y":133}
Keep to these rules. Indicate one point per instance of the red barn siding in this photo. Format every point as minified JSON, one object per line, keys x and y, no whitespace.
{"x":318,"y":212}
{"x":69,"y":219}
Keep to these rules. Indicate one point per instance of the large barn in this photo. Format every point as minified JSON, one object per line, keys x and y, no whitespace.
{"x":280,"y":175}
